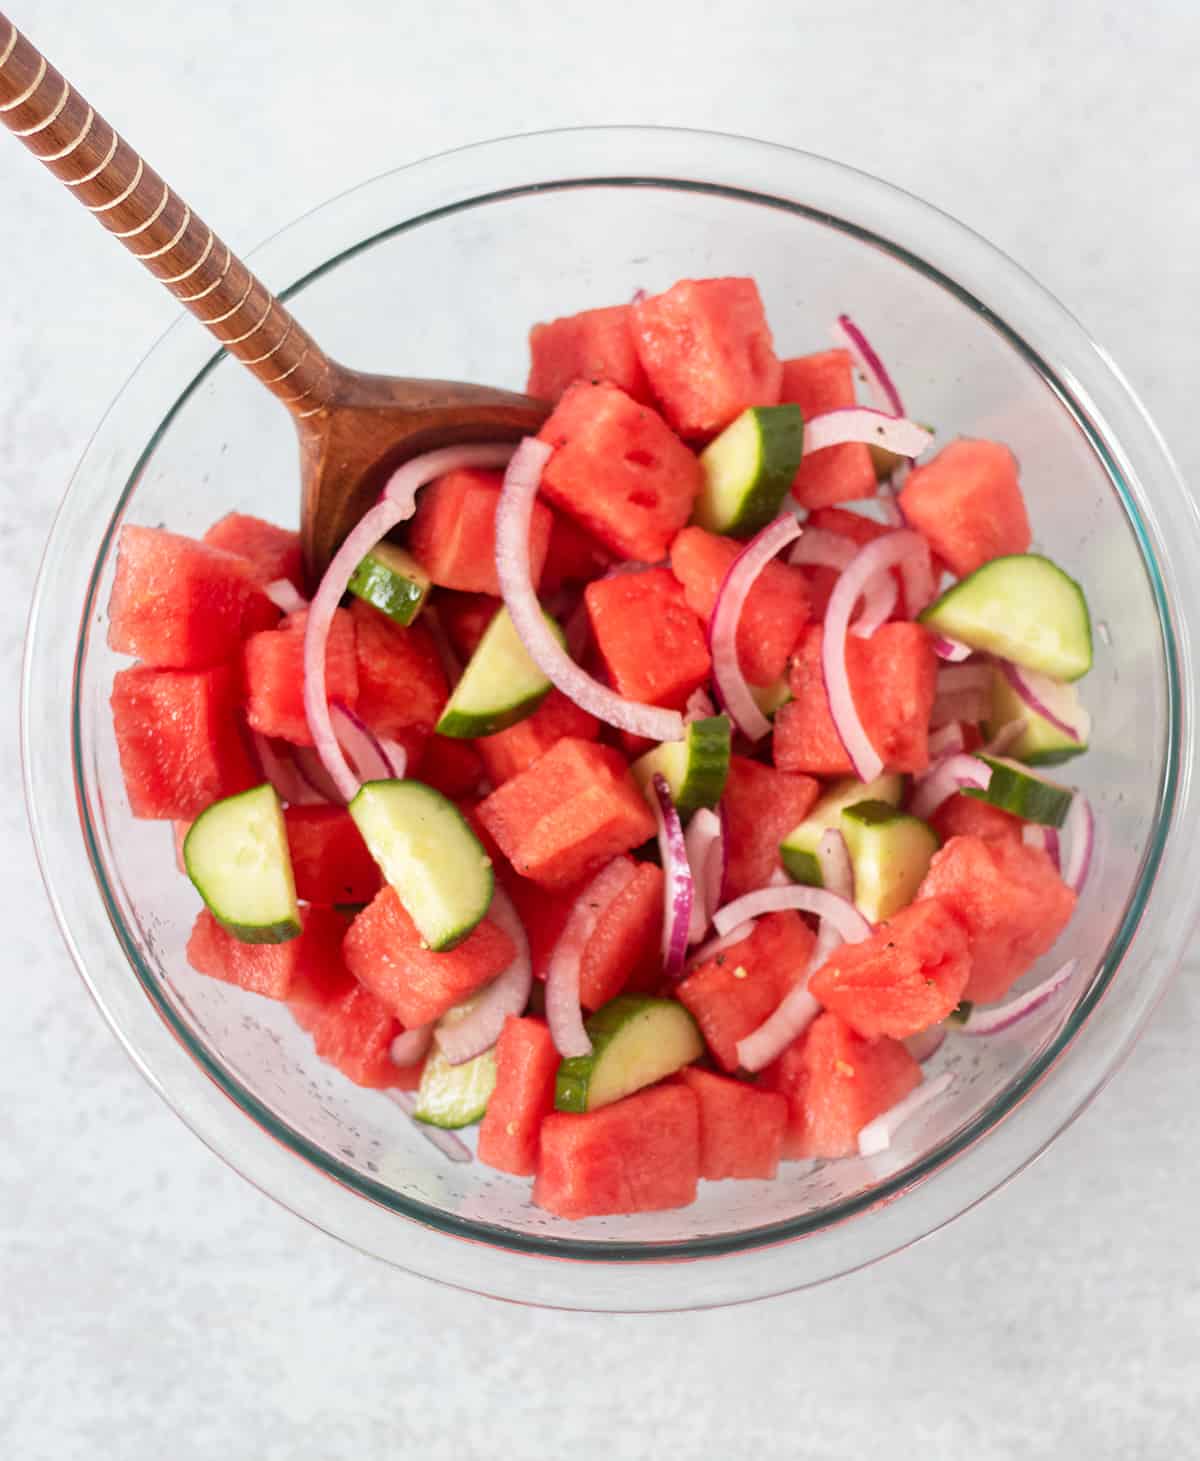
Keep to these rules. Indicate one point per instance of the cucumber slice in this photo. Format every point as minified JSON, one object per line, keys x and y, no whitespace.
{"x":429,"y":854}
{"x":748,"y":470}
{"x":393,"y":581}
{"x":799,"y":848}
{"x":1023,"y":608}
{"x":1016,"y":789}
{"x":695,"y":768}
{"x":890,"y":853}
{"x":636,"y":1041}
{"x":236,"y":854}
{"x":451,"y":1096}
{"x":1042,"y":742}
{"x":500,"y":685}
{"x":769,"y":698}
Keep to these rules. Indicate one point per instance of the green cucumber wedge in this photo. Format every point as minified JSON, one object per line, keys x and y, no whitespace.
{"x":1046,"y":739}
{"x":429,"y":854}
{"x":392,"y":580}
{"x":1023,"y":608}
{"x":236,"y":854}
{"x":798,"y":849}
{"x":748,"y":470}
{"x":1015,"y":788}
{"x":452,"y":1096}
{"x":889,"y":853}
{"x":636,"y":1041}
{"x":695,"y":768}
{"x":769,"y":698}
{"x":500,"y":685}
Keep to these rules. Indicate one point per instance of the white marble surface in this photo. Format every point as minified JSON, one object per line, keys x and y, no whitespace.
{"x":152,"y":1303}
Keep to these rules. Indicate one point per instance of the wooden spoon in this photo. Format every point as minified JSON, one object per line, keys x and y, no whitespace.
{"x":354,"y":428}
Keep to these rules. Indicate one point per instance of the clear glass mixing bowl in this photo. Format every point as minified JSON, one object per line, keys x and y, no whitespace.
{"x":438,"y":269}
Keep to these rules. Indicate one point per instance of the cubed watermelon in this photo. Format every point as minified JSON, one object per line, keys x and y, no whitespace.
{"x":820,"y":383}
{"x":619,"y":470}
{"x":908,"y":975}
{"x":450,"y":766}
{"x":177,"y":603}
{"x":273,"y":666}
{"x":967,"y":816}
{"x":706,"y":347}
{"x":1011,"y":901}
{"x":526,"y":1065}
{"x":568,"y":813}
{"x":355,"y":1032}
{"x":967,"y":504}
{"x":330,"y":860}
{"x":324,"y":980}
{"x":761,"y":807}
{"x":775,"y":612}
{"x":453,"y":535}
{"x":595,"y":345}
{"x":465,"y":617}
{"x":178,"y":739}
{"x":641,"y":1154}
{"x":651,"y":642}
{"x":401,"y":684}
{"x":893,"y":678}
{"x":384,"y":952}
{"x":835,"y":1082}
{"x":274,"y":970}
{"x":272,"y":552}
{"x":512,"y":751}
{"x":573,"y":556}
{"x":732,"y":993}
{"x":741,"y":1127}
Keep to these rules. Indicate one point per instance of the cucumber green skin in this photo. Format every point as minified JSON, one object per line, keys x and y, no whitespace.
{"x":573,"y":1087}
{"x":704,"y":753}
{"x":463,"y":725}
{"x":454,"y":1096}
{"x":780,"y":445}
{"x":798,"y":850}
{"x":1041,"y":743}
{"x":390,"y":592}
{"x":801,"y":867}
{"x":869,"y":827}
{"x":1026,"y":796}
{"x":277,"y":931}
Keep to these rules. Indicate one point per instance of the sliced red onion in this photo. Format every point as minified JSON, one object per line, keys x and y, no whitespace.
{"x":828,"y":939}
{"x":364,"y":750}
{"x":948,"y":776}
{"x":564,"y":1013}
{"x":879,"y":382}
{"x":410,"y":1047}
{"x":507,"y":994}
{"x":1045,"y":697}
{"x":823,"y":549}
{"x":1033,"y":834}
{"x":860,"y":423}
{"x":969,"y":706}
{"x":284,"y":594}
{"x":698,"y":707}
{"x":1007,"y":736}
{"x":952,"y":678}
{"x":1079,"y":833}
{"x":312,"y":770}
{"x":996,"y":1018}
{"x":953,"y":651}
{"x":925,"y":1044}
{"x":280,"y":770}
{"x":678,"y":887}
{"x":788,"y":1021}
{"x":726,"y":615}
{"x":395,"y":506}
{"x":947,"y":740}
{"x":879,"y":599}
{"x":833,"y":856}
{"x":869,"y":562}
{"x":844,"y":916}
{"x":723,"y":941}
{"x":703,"y":842}
{"x":512,"y":566}
{"x":446,"y":1142}
{"x":876,"y":1136}
{"x":889,"y":508}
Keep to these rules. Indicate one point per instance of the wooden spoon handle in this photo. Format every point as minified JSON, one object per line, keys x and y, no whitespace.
{"x":39,"y":106}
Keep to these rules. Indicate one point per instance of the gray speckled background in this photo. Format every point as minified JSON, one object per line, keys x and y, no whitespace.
{"x":152,"y":1303}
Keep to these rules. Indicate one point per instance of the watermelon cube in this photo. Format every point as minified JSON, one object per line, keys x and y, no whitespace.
{"x":967,"y":816}
{"x":706,"y":347}
{"x":273,"y":667}
{"x":330,"y":860}
{"x":732,"y":993}
{"x":761,"y":807}
{"x":453,"y":535}
{"x":820,"y":383}
{"x":324,"y":980}
{"x":384,"y":952}
{"x":893,"y":679}
{"x":908,"y":975}
{"x":835,"y":1082}
{"x":401,"y":684}
{"x":566,"y":815}
{"x":741,"y":1127}
{"x":465,"y":617}
{"x":595,"y":345}
{"x":967,"y":504}
{"x":619,"y":471}
{"x":450,"y":766}
{"x":272,"y":552}
{"x":178,"y":738}
{"x":641,"y":1154}
{"x":355,"y":1033}
{"x":775,"y":612}
{"x":176,"y":603}
{"x":652,"y":644}
{"x":1011,"y":901}
{"x":509,"y":752}
{"x":526,"y":1065}
{"x":273,"y":970}
{"x":573,"y":556}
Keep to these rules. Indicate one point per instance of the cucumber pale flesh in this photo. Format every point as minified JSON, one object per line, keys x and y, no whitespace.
{"x":636,"y":1041}
{"x":236,"y":854}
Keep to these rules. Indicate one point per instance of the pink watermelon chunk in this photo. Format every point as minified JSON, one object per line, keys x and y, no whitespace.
{"x":820,"y":383}
{"x":273,"y":970}
{"x":401,"y":683}
{"x":273,"y":668}
{"x":355,"y":1032}
{"x":512,"y":751}
{"x":272,"y":552}
{"x":741,"y":1127}
{"x":453,"y":535}
{"x":594,"y":345}
{"x":967,"y":504}
{"x":761,"y":806}
{"x":652,"y":644}
{"x":330,"y":860}
{"x":526,"y":1065}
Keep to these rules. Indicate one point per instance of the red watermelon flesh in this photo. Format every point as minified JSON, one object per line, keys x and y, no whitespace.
{"x":820,"y":383}
{"x":272,"y":552}
{"x":526,"y":1066}
{"x":761,"y":807}
{"x":179,"y":741}
{"x":401,"y":684}
{"x":450,"y":766}
{"x":835,"y":1082}
{"x":1011,"y":901}
{"x":465,"y":617}
{"x":273,"y":667}
{"x":330,"y":860}
{"x":595,"y":345}
{"x":355,"y":1033}
{"x":967,"y":504}
{"x":512,"y":751}
{"x":651,"y":642}
{"x":273,"y":970}
{"x":453,"y":535}
{"x":967,"y":816}
{"x":908,"y":975}
{"x":573,"y":556}
{"x":641,"y":1154}
{"x":741,"y":1127}
{"x":706,"y":347}
{"x":619,"y":471}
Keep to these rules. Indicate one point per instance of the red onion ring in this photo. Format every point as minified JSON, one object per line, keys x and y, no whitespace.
{"x":946,"y":778}
{"x":312,"y":771}
{"x":995,"y":1020}
{"x":951,"y":650}
{"x":823,"y":549}
{"x":861,"y":423}
{"x":678,"y":887}
{"x":564,"y":1014}
{"x":833,"y":856}
{"x":879,"y":382}
{"x":698,"y":707}
{"x":844,"y":916}
{"x":876,"y":1136}
{"x":284,"y":594}
{"x":281,"y":771}
{"x":1079,"y":833}
{"x":969,"y":706}
{"x":879,"y":599}
{"x":947,"y":740}
{"x":723,"y":941}
{"x":446,"y":1142}
{"x":786,"y":1023}
{"x":703,"y":842}
{"x":889,"y":508}
{"x":410,"y":1047}
{"x":374,"y":758}
{"x":1008,"y":735}
{"x":958,"y":679}
{"x":1037,"y":691}
{"x":507,"y":994}
{"x":1033,"y":834}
